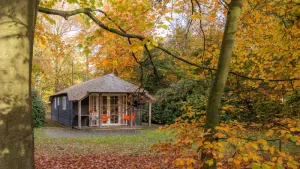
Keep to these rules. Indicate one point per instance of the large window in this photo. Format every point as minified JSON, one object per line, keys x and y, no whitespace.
{"x":64,"y":103}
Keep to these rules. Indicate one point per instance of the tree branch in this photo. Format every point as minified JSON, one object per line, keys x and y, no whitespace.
{"x":88,"y":12}
{"x":152,"y":63}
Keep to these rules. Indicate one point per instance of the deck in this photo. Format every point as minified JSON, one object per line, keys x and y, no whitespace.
{"x":144,"y":126}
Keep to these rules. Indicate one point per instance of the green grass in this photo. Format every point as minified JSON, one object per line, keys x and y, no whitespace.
{"x":131,"y":144}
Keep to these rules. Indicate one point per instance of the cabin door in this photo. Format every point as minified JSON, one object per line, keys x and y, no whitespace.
{"x":114,"y":109}
{"x":94,"y":110}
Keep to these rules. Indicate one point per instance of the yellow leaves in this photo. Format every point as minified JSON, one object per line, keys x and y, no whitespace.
{"x":270,"y":133}
{"x":265,"y":166}
{"x":294,"y":129}
{"x":256,"y":166}
{"x":245,"y":158}
{"x":181,"y":162}
{"x":211,"y":18}
{"x":189,"y":167}
{"x":196,"y":16}
{"x":264,"y":144}
{"x":280,"y":160}
{"x":261,"y":141}
{"x":163,"y":26}
{"x":272,"y":150}
{"x":254,"y":146}
{"x":190,"y":161}
{"x":210,"y":162}
{"x":225,"y":128}
{"x":292,"y":165}
{"x":273,"y":159}
{"x":136,"y":48}
{"x":178,"y":11}
{"x":248,"y":152}
{"x":169,"y":18}
{"x":237,"y":162}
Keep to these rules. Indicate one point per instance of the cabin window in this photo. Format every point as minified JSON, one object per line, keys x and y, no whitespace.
{"x":55,"y":102}
{"x":64,"y":103}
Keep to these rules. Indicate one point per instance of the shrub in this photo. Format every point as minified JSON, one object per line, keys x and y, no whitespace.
{"x":38,"y":109}
{"x":292,"y":105}
{"x":175,"y":100}
{"x":267,"y":109}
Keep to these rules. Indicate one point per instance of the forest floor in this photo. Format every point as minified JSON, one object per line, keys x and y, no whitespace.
{"x":57,"y":146}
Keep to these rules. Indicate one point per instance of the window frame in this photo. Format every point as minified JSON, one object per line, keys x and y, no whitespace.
{"x":64,"y":103}
{"x":54,"y":102}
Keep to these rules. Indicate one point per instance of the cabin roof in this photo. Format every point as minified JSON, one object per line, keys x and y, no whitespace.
{"x":104,"y":84}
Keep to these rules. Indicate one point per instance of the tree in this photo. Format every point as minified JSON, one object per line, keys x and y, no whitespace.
{"x":214,"y":100}
{"x":18,"y":62}
{"x":38,"y":109}
{"x":17,"y":20}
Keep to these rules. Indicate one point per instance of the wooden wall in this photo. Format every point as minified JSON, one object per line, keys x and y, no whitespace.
{"x":60,"y":115}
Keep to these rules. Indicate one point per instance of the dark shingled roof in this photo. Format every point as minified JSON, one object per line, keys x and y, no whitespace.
{"x":105,"y":84}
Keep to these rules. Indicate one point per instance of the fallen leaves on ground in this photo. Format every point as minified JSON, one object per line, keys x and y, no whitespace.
{"x":103,"y":161}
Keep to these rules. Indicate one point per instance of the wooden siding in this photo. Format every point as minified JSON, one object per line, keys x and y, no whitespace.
{"x":58,"y":114}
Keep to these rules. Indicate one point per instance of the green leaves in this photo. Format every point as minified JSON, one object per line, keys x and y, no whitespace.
{"x":163,"y":26}
{"x":72,"y":1}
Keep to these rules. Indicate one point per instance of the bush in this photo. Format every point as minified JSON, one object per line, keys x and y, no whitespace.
{"x":267,"y":110}
{"x":38,"y":109}
{"x":292,"y":105}
{"x":174,"y":101}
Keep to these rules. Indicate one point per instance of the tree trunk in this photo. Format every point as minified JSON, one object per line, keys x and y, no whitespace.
{"x":17,"y":20}
{"x":87,"y":68}
{"x":214,"y":100}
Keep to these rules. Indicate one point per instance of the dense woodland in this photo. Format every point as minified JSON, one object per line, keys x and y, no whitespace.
{"x":222,"y":71}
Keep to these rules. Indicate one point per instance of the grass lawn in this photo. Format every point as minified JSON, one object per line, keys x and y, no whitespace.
{"x":126,"y":151}
{"x":109,"y":151}
{"x":131,"y":144}
{"x":124,"y":144}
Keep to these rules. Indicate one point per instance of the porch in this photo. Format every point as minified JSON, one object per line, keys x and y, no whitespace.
{"x":110,"y":111}
{"x":121,"y":128}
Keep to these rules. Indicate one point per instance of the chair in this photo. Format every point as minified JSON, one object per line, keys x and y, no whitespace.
{"x":93,"y":119}
{"x":127,"y":117}
{"x":104,"y":118}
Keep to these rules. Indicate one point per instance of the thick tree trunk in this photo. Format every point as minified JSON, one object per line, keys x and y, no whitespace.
{"x":214,"y":100}
{"x":17,"y":19}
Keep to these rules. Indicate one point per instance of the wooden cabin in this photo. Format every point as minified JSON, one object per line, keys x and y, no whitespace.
{"x":104,"y":101}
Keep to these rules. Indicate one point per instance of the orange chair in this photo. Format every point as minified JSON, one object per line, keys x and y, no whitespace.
{"x":104,"y":118}
{"x":127,"y":117}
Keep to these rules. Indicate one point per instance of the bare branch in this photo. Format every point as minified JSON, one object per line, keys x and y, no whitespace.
{"x":152,"y":63}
